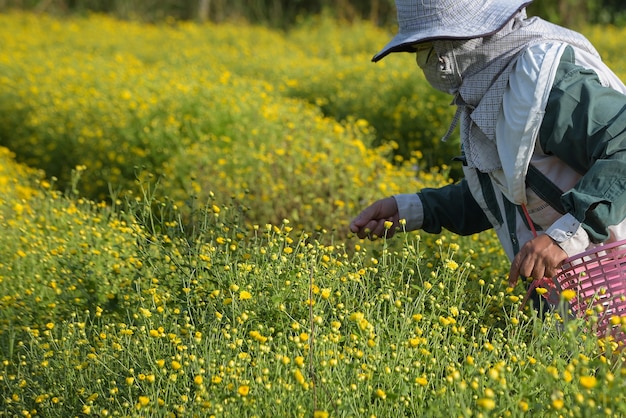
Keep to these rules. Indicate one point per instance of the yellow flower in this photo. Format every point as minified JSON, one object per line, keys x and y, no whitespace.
{"x":523,"y":405}
{"x":380,"y":394}
{"x":245,"y":295}
{"x":486,"y":403}
{"x":557,"y":403}
{"x":588,"y":382}
{"x":388,"y":224}
{"x":299,"y":377}
{"x":256,"y":335}
{"x":567,"y":376}
{"x":451,"y":265}
{"x":144,"y":400}
{"x":198,"y":380}
{"x":243,"y":390}
{"x":356,"y":316}
{"x":320,"y":414}
{"x":568,"y":294}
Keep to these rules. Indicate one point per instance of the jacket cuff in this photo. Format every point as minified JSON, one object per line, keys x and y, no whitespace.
{"x":567,"y":231}
{"x":411,"y":209}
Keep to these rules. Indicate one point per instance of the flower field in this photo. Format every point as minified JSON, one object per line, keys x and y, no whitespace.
{"x":174,"y":202}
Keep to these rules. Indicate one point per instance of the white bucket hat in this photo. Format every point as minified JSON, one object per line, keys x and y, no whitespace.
{"x":425,"y":20}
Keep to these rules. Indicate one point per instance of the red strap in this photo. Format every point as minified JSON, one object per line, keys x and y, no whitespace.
{"x":530,"y":221}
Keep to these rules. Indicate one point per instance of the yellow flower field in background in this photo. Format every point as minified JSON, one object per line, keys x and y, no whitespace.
{"x":200,"y":108}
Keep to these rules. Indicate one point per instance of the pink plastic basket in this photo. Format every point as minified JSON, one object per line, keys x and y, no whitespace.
{"x":598,"y":276}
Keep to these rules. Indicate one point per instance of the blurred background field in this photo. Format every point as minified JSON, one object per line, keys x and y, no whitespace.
{"x":287,"y":126}
{"x":174,"y":208}
{"x":284,"y":13}
{"x":301,"y":126}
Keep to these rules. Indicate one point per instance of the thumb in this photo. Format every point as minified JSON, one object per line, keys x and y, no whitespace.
{"x":366,"y":215}
{"x":359,"y":222}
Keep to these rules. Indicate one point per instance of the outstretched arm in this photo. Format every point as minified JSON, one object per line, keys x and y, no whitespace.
{"x":450,"y":207}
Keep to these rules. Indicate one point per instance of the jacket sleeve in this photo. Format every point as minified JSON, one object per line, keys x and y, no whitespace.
{"x":452,"y":207}
{"x":585,"y":126}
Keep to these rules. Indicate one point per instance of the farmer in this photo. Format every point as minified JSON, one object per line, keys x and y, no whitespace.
{"x":543,"y":133}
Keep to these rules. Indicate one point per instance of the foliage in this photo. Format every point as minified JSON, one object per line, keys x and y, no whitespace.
{"x":578,"y":13}
{"x":215,"y":116}
{"x":191,"y":267}
{"x":135,"y":104}
{"x":102,"y":316}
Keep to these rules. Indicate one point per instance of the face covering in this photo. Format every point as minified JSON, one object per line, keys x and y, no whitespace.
{"x":438,"y":62}
{"x":470,"y":69}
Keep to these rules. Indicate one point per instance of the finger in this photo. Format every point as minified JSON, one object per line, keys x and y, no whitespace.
{"x":367,"y":215}
{"x":358,"y":223}
{"x":550,"y":271}
{"x":514,"y":272}
{"x":369,"y":230}
{"x":538,"y":271}
{"x":378,"y":230}
{"x":526,"y":267}
{"x":354,"y":226}
{"x":522,"y":266}
{"x":363,"y":232}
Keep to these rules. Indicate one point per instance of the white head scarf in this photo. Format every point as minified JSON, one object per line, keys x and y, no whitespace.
{"x":481,"y":68}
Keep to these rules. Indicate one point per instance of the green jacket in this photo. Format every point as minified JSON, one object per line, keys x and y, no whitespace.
{"x":584,"y":125}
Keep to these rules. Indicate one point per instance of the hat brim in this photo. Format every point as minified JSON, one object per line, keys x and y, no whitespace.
{"x":492,"y":23}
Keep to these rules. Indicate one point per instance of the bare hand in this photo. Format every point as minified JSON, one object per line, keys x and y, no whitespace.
{"x":370,"y":222}
{"x":538,"y":258}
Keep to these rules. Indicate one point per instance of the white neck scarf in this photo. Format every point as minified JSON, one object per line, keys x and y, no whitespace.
{"x":484,"y":65}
